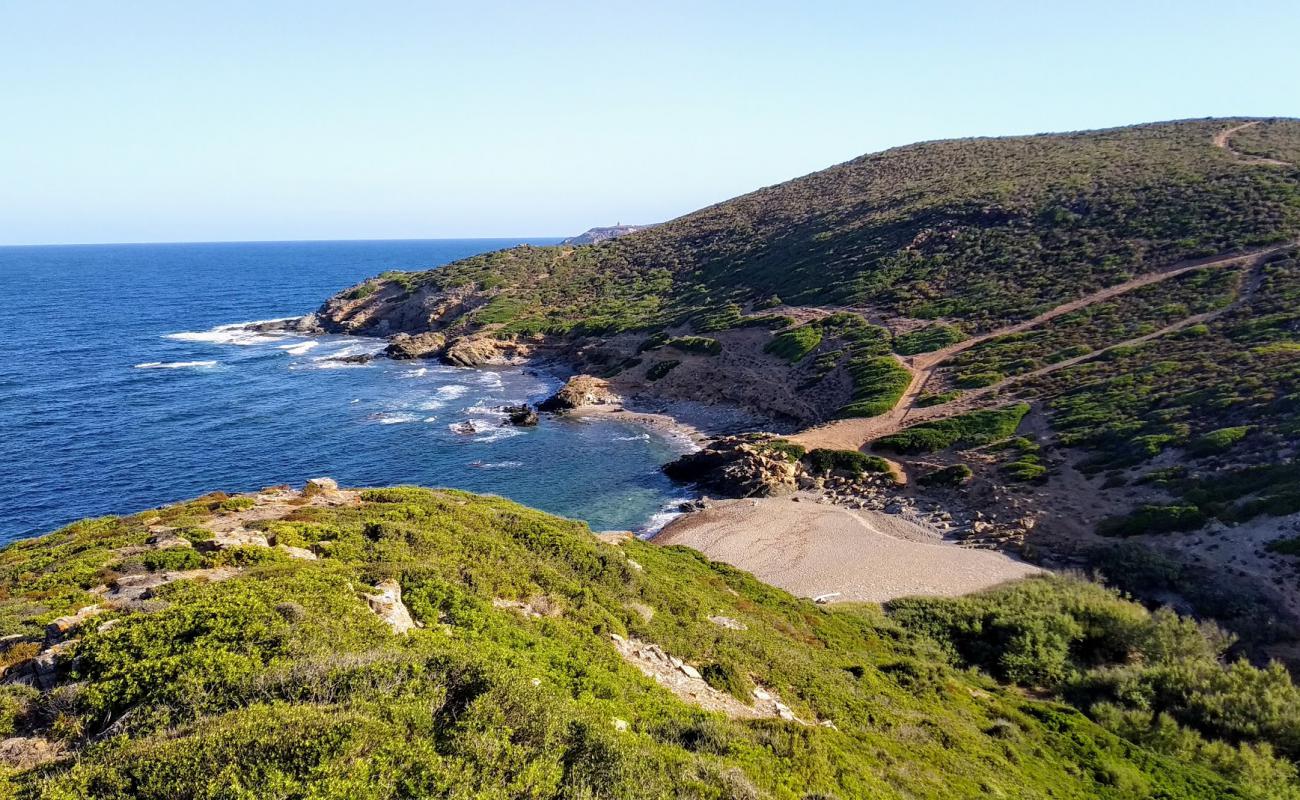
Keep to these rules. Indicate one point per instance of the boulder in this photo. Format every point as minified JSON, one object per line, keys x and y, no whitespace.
{"x":321,"y":487}
{"x":521,"y":416}
{"x":388,"y":606}
{"x":579,"y":391}
{"x":56,"y":630}
{"x":358,"y":358}
{"x":420,"y":345}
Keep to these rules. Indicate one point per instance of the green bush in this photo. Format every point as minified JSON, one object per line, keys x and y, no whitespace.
{"x":1218,"y":441}
{"x":978,"y":380}
{"x":793,"y":345}
{"x":954,"y":475}
{"x":172,"y":559}
{"x":878,"y":384}
{"x":927,"y":339}
{"x":695,"y":344}
{"x":1153,"y":519}
{"x":937,"y":398}
{"x":822,"y":460}
{"x":966,"y":430}
{"x":661,"y":368}
{"x":788,"y":450}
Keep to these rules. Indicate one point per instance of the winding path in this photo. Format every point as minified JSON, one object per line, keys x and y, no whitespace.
{"x":1223,"y":141}
{"x":852,"y":434}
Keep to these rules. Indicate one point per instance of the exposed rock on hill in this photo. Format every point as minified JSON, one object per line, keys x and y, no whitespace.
{"x":597,"y":235}
{"x":579,"y":391}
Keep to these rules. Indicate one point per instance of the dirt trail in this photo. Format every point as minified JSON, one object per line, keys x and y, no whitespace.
{"x":1222,"y":140}
{"x":852,"y":434}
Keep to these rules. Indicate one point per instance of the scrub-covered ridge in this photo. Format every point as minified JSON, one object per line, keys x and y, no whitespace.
{"x":1080,"y":346}
{"x":427,"y":643}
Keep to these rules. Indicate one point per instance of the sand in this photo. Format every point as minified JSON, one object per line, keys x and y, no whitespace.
{"x":812,"y":550}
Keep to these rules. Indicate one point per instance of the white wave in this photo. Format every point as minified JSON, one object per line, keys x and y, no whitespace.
{"x":483,"y":407}
{"x":236,"y":333}
{"x":497,"y":465}
{"x":667,"y":513}
{"x":298,"y":349}
{"x":488,"y":434}
{"x":415,"y":373}
{"x":431,"y":405}
{"x":430,"y":419}
{"x":640,"y":437}
{"x":394,"y":419}
{"x":176,"y":364}
{"x":451,"y":391}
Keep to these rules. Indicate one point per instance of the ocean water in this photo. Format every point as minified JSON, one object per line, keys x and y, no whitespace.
{"x":121,"y":388}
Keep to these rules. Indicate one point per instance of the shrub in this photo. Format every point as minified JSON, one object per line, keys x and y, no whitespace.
{"x":726,"y":676}
{"x":1153,"y":519}
{"x":1287,"y":546}
{"x":937,"y":398}
{"x":793,"y":345}
{"x":978,"y":380}
{"x":702,"y":345}
{"x":954,"y":475}
{"x":823,"y":460}
{"x":788,"y":450}
{"x":1218,"y":441}
{"x":172,"y":559}
{"x":660,"y":368}
{"x":966,"y":430}
{"x":929,"y":338}
{"x":878,"y":384}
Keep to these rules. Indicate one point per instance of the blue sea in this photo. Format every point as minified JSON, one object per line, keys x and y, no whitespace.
{"x":123,"y":387}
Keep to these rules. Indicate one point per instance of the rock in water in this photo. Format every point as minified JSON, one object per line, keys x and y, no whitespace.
{"x":522,"y":416}
{"x":579,"y":391}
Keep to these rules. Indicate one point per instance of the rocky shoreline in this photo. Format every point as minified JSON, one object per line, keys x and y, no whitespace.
{"x":721,"y":462}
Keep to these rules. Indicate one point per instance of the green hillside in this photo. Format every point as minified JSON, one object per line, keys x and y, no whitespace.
{"x":980,"y":230}
{"x":253,"y":670}
{"x":1137,"y":287}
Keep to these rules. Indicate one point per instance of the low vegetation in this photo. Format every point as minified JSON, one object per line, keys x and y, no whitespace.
{"x":972,"y":429}
{"x":280,"y":681}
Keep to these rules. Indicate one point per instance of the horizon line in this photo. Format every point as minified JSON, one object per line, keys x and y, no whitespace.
{"x":284,"y":241}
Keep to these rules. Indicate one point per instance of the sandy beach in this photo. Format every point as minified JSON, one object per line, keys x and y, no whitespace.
{"x":812,"y":549}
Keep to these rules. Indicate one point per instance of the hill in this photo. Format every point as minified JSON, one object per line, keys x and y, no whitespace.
{"x":1135,"y":288}
{"x":406,"y":642}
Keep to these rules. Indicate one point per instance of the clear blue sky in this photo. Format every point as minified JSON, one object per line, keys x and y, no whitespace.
{"x":239,"y":120}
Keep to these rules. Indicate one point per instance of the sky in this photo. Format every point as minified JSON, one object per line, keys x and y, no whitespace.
{"x":244,"y":120}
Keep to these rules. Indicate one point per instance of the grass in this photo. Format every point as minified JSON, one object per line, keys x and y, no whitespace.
{"x":281,"y":682}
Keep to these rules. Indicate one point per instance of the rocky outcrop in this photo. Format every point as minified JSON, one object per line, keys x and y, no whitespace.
{"x":738,"y":466}
{"x":307,"y":324}
{"x":603,"y":234}
{"x":579,"y":391}
{"x":484,"y":350}
{"x":388,"y":606}
{"x":58,"y":629}
{"x":420,"y":345}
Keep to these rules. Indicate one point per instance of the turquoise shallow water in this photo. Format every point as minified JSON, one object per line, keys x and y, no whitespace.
{"x":120,"y":390}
